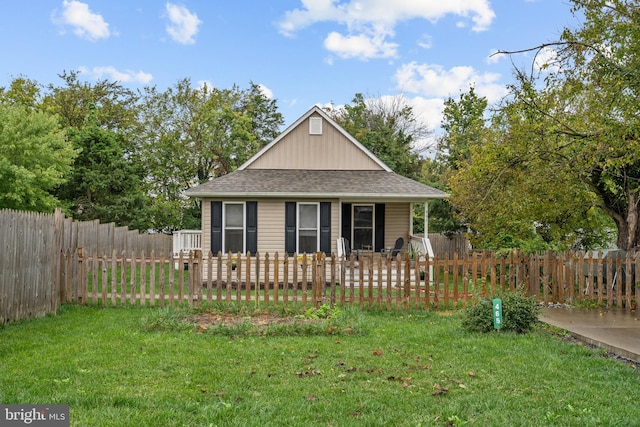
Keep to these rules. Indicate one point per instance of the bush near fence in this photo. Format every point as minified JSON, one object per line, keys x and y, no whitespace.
{"x":371,"y":281}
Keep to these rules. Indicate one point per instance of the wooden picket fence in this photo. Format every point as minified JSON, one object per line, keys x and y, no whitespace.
{"x":31,"y":245}
{"x":371,"y":281}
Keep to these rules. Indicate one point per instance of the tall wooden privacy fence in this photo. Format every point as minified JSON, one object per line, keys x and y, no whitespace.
{"x":371,"y":281}
{"x":30,"y":261}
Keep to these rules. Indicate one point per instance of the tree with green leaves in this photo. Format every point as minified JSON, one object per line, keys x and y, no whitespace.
{"x":23,"y":92}
{"x":514,"y":193}
{"x":464,"y":127}
{"x":191,"y":135}
{"x":35,"y":157}
{"x":111,"y":105}
{"x":107,"y":181}
{"x":578,"y":130}
{"x":388,"y":127}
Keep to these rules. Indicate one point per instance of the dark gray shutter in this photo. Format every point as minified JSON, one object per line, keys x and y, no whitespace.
{"x":252,"y":227}
{"x":216,"y":227}
{"x":325,"y":227}
{"x":290,"y":227}
{"x":346,"y":221}
{"x":379,"y":243}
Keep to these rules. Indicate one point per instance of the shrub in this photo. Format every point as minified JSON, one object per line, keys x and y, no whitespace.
{"x":519,"y":313}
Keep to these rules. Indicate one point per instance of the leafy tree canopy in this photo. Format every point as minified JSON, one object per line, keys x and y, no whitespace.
{"x":35,"y":157}
{"x":191,"y":135}
{"x":387,"y":127}
{"x":567,"y":147}
{"x":106,"y":183}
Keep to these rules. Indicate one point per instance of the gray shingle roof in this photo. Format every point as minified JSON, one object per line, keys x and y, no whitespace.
{"x":356,"y":184}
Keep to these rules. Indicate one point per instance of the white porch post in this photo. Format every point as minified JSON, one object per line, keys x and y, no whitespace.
{"x":411,"y":219}
{"x":426,"y":220}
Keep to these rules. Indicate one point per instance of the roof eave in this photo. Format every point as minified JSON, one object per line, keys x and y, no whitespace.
{"x":308,"y":195}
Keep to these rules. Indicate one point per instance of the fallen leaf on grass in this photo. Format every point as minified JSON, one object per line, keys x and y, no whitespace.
{"x":439,"y":391}
{"x":377,"y":352}
{"x":357,"y":413}
{"x":308,"y":373}
{"x":311,"y":397}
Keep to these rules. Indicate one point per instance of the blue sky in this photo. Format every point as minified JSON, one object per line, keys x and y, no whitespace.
{"x":302,"y":52}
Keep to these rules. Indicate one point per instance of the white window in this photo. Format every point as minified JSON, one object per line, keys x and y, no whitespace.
{"x":308,"y":229}
{"x":233,"y":220}
{"x":362,"y":227}
{"x":315,"y":125}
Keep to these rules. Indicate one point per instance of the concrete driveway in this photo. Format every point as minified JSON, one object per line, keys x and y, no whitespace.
{"x":616,"y":331}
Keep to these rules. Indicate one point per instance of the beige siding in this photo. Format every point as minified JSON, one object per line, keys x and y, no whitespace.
{"x":329,"y":151}
{"x":397,"y":217}
{"x":206,"y":226}
{"x":335,"y":225}
{"x":270,"y":225}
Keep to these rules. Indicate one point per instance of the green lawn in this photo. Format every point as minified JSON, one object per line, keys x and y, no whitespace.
{"x":143,"y":367}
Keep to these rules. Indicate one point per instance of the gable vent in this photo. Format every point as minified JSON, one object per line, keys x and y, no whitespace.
{"x":315,"y":125}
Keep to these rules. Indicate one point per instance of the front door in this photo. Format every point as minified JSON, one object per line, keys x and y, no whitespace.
{"x":363,"y":226}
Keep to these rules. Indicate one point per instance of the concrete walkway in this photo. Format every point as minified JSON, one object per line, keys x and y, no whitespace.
{"x":616,"y":331}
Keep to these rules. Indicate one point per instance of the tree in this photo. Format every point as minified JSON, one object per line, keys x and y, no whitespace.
{"x":111,"y":105}
{"x":589,"y":104}
{"x":107,"y":180}
{"x":35,"y":157}
{"x":516,"y":191}
{"x":464,"y":125}
{"x":22,"y":92}
{"x":387,"y":127}
{"x":106,"y":183}
{"x":191,"y":135}
{"x":584,"y":119}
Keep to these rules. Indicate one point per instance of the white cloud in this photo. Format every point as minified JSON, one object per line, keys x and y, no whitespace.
{"x":370,"y":23}
{"x":435,"y":81}
{"x":494,"y":57}
{"x":355,"y":13}
{"x":432,"y":84}
{"x":183,"y":24}
{"x":362,"y":46}
{"x":268,"y":93}
{"x":85,"y":23}
{"x":547,"y":60}
{"x":425,"y":42}
{"x":112,"y":74}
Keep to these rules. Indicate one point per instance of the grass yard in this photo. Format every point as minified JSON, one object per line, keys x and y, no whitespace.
{"x":148,"y":367}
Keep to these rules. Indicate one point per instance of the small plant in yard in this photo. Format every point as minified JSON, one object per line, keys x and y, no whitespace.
{"x":519,"y":313}
{"x":237,"y":321}
{"x":325,"y":311}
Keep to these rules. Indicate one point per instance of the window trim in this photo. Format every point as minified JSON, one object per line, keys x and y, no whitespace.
{"x":243,"y":228}
{"x":317,"y":205}
{"x":315,"y":125}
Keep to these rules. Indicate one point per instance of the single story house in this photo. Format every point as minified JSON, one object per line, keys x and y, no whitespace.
{"x":310,"y":186}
